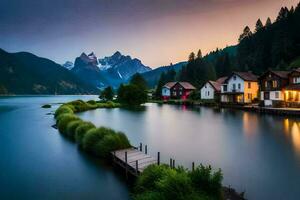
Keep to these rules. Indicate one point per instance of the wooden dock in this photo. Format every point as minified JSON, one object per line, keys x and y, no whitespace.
{"x":134,"y":160}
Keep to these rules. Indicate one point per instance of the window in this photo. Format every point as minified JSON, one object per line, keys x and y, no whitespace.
{"x":207,"y":93}
{"x":233,"y":86}
{"x":225,"y":88}
{"x":180,"y":93}
{"x":276,"y":95}
{"x":266,"y":84}
{"x":234,"y":77}
{"x":239,"y":86}
{"x":249,"y":85}
{"x":274,"y":84}
{"x":249,"y":96}
{"x":296,"y":80}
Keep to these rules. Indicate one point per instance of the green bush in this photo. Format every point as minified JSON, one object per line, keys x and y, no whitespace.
{"x":92,"y":137}
{"x":63,"y":122}
{"x":205,"y":180}
{"x":81,"y":130}
{"x":92,"y":102}
{"x":63,"y":110}
{"x":178,"y":184}
{"x":71,"y":128}
{"x":151,"y":175}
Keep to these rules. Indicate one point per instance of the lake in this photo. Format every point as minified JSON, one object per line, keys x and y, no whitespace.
{"x":38,"y":163}
{"x":258,"y":154}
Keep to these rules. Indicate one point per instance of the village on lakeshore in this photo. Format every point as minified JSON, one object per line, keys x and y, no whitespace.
{"x":275,"y":89}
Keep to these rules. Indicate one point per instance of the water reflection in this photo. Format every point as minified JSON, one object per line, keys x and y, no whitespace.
{"x":250,"y":123}
{"x":292,"y":130}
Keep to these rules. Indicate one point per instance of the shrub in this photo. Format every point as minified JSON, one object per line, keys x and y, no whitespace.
{"x":81,"y":130}
{"x":46,"y":106}
{"x":109,"y":142}
{"x":204,"y":180}
{"x":92,"y":137}
{"x":64,"y":120}
{"x":151,"y":175}
{"x":175,"y":186}
{"x":92,"y":102}
{"x":71,"y":128}
{"x":63,"y":110}
{"x":149,"y":196}
{"x":124,"y":142}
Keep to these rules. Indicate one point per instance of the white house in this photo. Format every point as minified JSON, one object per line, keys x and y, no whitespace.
{"x":211,"y":89}
{"x":239,"y":87}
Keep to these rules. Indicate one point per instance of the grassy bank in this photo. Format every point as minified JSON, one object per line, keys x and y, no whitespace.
{"x":98,"y":141}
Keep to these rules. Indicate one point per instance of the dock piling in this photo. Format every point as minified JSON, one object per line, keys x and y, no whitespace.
{"x":158,"y":158}
{"x":141,"y":147}
{"x":146,"y":149}
{"x":193,"y":166}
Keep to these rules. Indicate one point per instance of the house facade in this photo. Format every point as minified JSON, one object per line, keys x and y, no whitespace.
{"x":177,"y":90}
{"x":272,"y":85}
{"x":292,"y":90}
{"x":240,"y":88}
{"x":211,"y":90}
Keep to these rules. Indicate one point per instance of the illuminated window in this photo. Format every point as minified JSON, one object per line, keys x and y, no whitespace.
{"x":266,"y":84}
{"x":274,"y":84}
{"x":249,"y":85}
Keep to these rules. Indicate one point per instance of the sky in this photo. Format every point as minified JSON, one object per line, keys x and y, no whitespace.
{"x":157,"y":32}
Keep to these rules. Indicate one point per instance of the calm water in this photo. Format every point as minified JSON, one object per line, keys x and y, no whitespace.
{"x":37,"y":163}
{"x":259,"y":154}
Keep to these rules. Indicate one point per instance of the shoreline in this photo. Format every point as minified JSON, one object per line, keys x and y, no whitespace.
{"x":249,"y":108}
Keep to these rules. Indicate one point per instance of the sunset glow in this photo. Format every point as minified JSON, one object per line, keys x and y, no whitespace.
{"x":155,"y":32}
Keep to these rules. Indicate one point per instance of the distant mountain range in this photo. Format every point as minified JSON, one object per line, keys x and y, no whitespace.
{"x":112,"y":70}
{"x":25,"y":73}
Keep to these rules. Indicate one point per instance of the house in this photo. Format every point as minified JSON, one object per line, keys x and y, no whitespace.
{"x":177,"y":90}
{"x":272,"y":85}
{"x":292,"y":90}
{"x":211,"y":90}
{"x":239,"y":87}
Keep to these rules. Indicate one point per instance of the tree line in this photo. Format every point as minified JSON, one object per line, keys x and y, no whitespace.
{"x":272,"y":45}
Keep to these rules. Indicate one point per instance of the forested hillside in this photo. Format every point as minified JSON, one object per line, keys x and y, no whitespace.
{"x":270,"y":46}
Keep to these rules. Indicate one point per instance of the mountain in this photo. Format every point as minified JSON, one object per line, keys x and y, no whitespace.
{"x":153,"y":76}
{"x":123,"y":67}
{"x":68,"y":65}
{"x":86,"y":68}
{"x":25,"y":73}
{"x":112,"y":70}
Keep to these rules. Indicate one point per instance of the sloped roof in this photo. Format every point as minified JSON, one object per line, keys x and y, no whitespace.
{"x":222,"y":79}
{"x":170,"y":84}
{"x":185,"y":85}
{"x":246,"y":76}
{"x":295,"y":70}
{"x":281,"y":74}
{"x":216,"y":85}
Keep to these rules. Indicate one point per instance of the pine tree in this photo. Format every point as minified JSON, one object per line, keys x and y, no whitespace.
{"x":259,"y":25}
{"x":246,"y":33}
{"x":199,"y":54}
{"x":139,"y":81}
{"x":268,"y":22}
{"x":283,"y":13}
{"x":192,"y":57}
